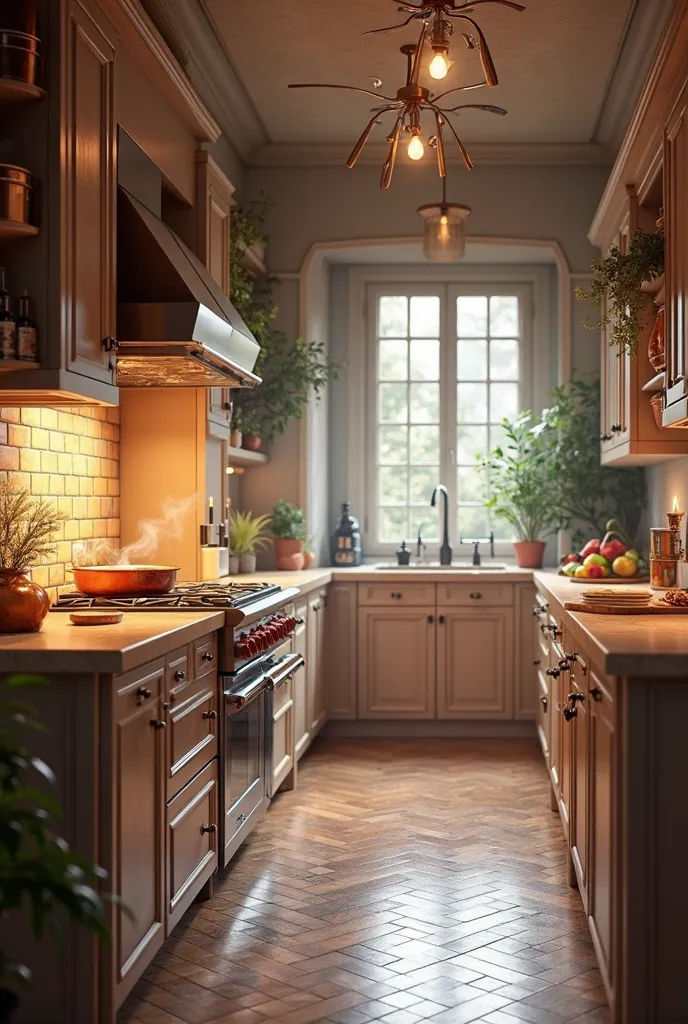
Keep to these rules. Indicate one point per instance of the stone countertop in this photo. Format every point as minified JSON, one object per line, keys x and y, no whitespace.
{"x":651,"y":646}
{"x":310,"y":579}
{"x":60,"y":646}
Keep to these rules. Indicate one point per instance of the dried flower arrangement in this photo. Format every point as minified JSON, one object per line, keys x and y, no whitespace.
{"x":27,"y":528}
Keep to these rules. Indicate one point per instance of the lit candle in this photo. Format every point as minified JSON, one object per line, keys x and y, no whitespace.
{"x":230,"y":471}
{"x":211,"y":510}
{"x":674,"y":505}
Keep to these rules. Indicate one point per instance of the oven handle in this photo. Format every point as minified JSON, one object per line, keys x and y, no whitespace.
{"x":285,"y":667}
{"x":239,"y":698}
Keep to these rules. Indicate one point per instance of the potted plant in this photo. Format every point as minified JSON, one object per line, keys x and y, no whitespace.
{"x":246,"y":536}
{"x":616,"y":287}
{"x":523,"y":488}
{"x":288,"y":528}
{"x":39,"y":875}
{"x":308,"y":552}
{"x":27,"y":528}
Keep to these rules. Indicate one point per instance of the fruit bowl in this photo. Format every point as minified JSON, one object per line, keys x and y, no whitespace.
{"x":612,"y":560}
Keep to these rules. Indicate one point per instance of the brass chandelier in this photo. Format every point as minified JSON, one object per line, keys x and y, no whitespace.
{"x":412,"y":100}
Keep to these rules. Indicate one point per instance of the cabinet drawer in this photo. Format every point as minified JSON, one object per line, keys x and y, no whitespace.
{"x":205,"y":655}
{"x":283,"y":754}
{"x":282,"y":694}
{"x":178,"y":672}
{"x":191,"y":732}
{"x":192,"y":839}
{"x":396,"y":594}
{"x":141,"y":686}
{"x":476,"y":594}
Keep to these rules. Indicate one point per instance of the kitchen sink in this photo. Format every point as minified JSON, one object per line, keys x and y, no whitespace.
{"x":433,"y":566}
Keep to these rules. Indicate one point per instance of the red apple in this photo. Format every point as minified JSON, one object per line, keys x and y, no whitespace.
{"x":597,"y":572}
{"x":612,"y":549}
{"x":572,"y":557}
{"x":591,"y":548}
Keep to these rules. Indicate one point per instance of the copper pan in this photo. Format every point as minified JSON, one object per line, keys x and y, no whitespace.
{"x":125,"y":580}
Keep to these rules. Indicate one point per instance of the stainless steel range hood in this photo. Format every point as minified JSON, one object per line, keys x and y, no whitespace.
{"x":175,"y":328}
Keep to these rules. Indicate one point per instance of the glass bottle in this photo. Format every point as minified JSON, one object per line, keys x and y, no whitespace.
{"x":27,"y":347}
{"x":8,"y":323}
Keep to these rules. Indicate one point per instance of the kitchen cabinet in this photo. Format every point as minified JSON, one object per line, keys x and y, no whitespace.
{"x":602,"y":822}
{"x":576,"y":722}
{"x":283,"y":738}
{"x":300,"y":681}
{"x":138,"y":821}
{"x":340,"y":646}
{"x":192,"y":841}
{"x":475,"y":660}
{"x":525,"y":672}
{"x":676,"y":269}
{"x":396,"y":662}
{"x":317,"y":696}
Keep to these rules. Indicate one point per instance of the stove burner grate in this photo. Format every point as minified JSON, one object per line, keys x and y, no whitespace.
{"x":185,"y":596}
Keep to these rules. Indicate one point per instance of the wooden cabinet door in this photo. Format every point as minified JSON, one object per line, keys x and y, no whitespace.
{"x":302,"y":720}
{"x":340,"y":646}
{"x":396,"y":663}
{"x":89,"y":175}
{"x":616,"y":377}
{"x":676,"y":251}
{"x":139,"y":815}
{"x":192,"y":841}
{"x":601,"y":821}
{"x":565,"y":767}
{"x":579,"y":727}
{"x":543,"y":716}
{"x":475,"y":663}
{"x":317,"y":698}
{"x":525,"y":671}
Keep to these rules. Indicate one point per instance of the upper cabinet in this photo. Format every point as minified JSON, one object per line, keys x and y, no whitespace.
{"x":641,"y":406}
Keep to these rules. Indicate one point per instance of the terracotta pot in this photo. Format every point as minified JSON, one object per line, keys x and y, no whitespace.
{"x":655,"y":349}
{"x":287,"y":548}
{"x":657,"y":403}
{"x":529,"y":553}
{"x":291,"y":563}
{"x":247,"y":563}
{"x":235,"y":438}
{"x":253,"y":443}
{"x":308,"y":559}
{"x":23,"y":604}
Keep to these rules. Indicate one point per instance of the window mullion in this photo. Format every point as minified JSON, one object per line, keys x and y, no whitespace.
{"x":448,"y":405}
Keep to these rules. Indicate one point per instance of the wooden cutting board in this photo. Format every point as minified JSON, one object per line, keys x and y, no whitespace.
{"x":606,"y":609}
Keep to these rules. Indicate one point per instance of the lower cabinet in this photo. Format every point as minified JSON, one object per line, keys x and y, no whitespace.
{"x":300,"y":682}
{"x":577,"y":724}
{"x":283,"y":741}
{"x":340,"y":646}
{"x":601,"y":818}
{"x":317,"y":697}
{"x":396,"y":662}
{"x":475,"y":658}
{"x":192,"y":838}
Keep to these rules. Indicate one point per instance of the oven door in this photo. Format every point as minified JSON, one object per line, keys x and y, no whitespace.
{"x":245,"y":781}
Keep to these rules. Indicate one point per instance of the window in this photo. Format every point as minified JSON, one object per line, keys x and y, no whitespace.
{"x":448,"y":368}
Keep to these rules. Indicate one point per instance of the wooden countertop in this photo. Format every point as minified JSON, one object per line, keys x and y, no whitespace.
{"x":61,"y":646}
{"x":651,"y":646}
{"x":311,"y":579}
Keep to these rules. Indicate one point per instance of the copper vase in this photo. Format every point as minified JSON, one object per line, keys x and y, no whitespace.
{"x":656,"y":343}
{"x":23,"y":604}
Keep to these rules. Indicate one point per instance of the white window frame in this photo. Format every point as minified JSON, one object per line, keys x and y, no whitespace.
{"x":366,"y":284}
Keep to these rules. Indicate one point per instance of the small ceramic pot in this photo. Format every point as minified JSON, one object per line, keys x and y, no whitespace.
{"x":247,"y":563}
{"x":291,"y":563}
{"x":253,"y":443}
{"x":287,"y":548}
{"x":655,"y":348}
{"x":308,"y":559}
{"x":235,"y":438}
{"x":657,"y":402}
{"x":23,"y":604}
{"x":529,"y":553}
{"x":233,"y":565}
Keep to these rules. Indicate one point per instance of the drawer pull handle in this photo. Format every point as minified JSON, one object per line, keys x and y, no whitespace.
{"x":179,"y":675}
{"x":544,"y":702}
{"x":442,"y":620}
{"x":208,"y":828}
{"x":536,"y":661}
{"x":143,"y":693}
{"x":212,"y":715}
{"x":554,"y":672}
{"x":396,"y":596}
{"x":569,"y":713}
{"x":431,"y":619}
{"x":564,"y":665}
{"x":207,"y":656}
{"x":476,"y":595}
{"x":595,"y":693}
{"x":157,"y":723}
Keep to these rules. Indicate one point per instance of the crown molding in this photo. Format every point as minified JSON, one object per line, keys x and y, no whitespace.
{"x":486,"y":154}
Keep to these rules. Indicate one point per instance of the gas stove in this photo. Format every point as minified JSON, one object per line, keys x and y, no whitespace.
{"x":184,"y":597}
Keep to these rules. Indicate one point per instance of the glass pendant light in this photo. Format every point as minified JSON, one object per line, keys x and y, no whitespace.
{"x":444,"y":234}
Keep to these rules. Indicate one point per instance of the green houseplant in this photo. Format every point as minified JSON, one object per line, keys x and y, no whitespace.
{"x":39,"y":874}
{"x":522,"y":487}
{"x":292,"y":370}
{"x":616,"y":287}
{"x":289,"y":530}
{"x":247,"y":534}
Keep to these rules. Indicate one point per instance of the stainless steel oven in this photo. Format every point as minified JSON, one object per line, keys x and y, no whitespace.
{"x":248,"y":745}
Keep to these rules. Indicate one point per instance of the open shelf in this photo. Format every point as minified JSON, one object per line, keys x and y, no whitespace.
{"x":243,"y":457}
{"x":655,"y":384}
{"x":14,"y":91}
{"x":16,"y":229}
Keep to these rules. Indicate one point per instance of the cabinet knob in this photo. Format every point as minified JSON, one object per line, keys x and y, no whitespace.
{"x":179,"y":675}
{"x":554,"y":672}
{"x":536,"y":661}
{"x":396,"y":596}
{"x":544,"y":702}
{"x":207,"y":656}
{"x":431,"y":619}
{"x":143,"y":693}
{"x":156,"y":723}
{"x":595,"y":693}
{"x":208,"y":828}
{"x":564,"y":665}
{"x":212,"y":715}
{"x":605,"y":437}
{"x":616,"y":428}
{"x":476,"y":595}
{"x":569,"y":713}
{"x":442,"y":620}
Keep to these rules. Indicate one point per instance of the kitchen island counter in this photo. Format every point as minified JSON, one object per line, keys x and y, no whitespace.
{"x":649,"y":646}
{"x":140,"y":637}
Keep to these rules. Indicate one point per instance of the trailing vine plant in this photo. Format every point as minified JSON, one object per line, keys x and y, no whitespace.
{"x":615,"y":288}
{"x":292,"y":369}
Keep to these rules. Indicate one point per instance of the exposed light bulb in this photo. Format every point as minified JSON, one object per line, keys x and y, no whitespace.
{"x":439,"y":65}
{"x":444,"y":219}
{"x":416,"y":149}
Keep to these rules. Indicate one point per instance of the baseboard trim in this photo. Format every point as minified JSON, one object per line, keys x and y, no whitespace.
{"x":419,"y":729}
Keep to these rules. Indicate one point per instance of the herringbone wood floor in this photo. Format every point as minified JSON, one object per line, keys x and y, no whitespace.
{"x":403,"y":881}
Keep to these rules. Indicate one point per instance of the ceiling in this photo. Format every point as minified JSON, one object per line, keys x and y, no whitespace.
{"x":555,"y":61}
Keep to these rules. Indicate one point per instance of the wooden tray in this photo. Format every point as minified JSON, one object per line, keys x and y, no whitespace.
{"x":604,"y":581}
{"x":101,"y":618}
{"x":605,"y":609}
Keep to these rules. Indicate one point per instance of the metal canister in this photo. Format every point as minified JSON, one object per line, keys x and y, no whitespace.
{"x":20,"y":58}
{"x":664,"y":543}
{"x":663,"y":573}
{"x":15,"y":193}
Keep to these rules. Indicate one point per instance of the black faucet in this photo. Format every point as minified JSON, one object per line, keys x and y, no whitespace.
{"x":445,"y":550}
